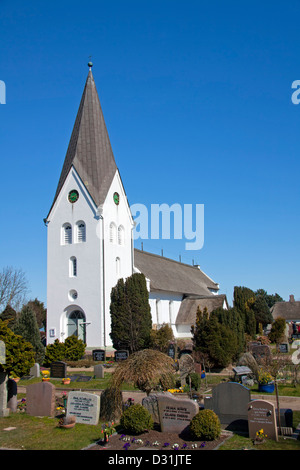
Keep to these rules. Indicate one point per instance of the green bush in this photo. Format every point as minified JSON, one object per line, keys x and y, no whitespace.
{"x":136,"y":419}
{"x":205,"y":425}
{"x":74,"y":348}
{"x":19,"y":354}
{"x":71,"y":350}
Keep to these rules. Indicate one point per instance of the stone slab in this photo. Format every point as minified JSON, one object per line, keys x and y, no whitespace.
{"x":85,"y":406}
{"x":175,"y":414}
{"x":40,"y":399}
{"x":261,"y":415}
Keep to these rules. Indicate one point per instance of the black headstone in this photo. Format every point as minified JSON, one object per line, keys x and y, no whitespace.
{"x":98,"y":355}
{"x":171,"y":350}
{"x":121,"y":355}
{"x":58,"y":369}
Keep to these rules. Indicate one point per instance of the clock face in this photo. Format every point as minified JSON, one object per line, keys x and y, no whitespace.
{"x":73,"y":196}
{"x":116,"y":198}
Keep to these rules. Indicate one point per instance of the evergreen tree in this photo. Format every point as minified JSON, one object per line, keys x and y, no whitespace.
{"x":10,"y":315}
{"x":131,"y":321}
{"x":243,"y":301}
{"x":27,"y":327}
{"x":19,"y":354}
{"x":261,"y":311}
{"x":233,"y":319}
{"x":214,"y":339}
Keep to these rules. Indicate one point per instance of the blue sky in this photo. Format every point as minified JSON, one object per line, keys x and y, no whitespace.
{"x":197,"y":100}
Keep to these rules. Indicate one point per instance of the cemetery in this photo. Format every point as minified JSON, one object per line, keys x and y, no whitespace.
{"x":103,"y":402}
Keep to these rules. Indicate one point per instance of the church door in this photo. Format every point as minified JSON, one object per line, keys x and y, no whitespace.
{"x":76,"y":325}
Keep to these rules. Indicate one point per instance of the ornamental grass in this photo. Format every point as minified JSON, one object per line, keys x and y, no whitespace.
{"x":146,"y":369}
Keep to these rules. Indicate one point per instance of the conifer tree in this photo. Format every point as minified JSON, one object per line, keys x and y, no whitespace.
{"x":131,"y":321}
{"x":27,"y":327}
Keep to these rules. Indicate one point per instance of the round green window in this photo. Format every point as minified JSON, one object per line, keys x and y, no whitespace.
{"x":73,"y":196}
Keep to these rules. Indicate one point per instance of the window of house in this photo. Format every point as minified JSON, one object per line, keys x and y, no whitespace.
{"x":81,"y":232}
{"x":112,"y":233}
{"x":118,"y":266}
{"x":121,"y":235}
{"x":73,"y":266}
{"x":67,"y":234}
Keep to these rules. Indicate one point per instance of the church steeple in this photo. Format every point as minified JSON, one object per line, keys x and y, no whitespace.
{"x":89,"y":149}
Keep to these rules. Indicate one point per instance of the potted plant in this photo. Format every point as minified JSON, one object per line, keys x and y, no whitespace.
{"x":66,"y":381}
{"x":45,"y":375}
{"x":265,"y":382}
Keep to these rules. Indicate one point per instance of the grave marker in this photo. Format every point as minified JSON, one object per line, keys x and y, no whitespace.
{"x":175,"y":414}
{"x":261,"y":415}
{"x":99,"y":371}
{"x":35,"y":370}
{"x":85,"y":406}
{"x":4,"y":410}
{"x":58,"y":369}
{"x":99,"y":355}
{"x":121,"y":355}
{"x":230,"y":403}
{"x":40,"y":399}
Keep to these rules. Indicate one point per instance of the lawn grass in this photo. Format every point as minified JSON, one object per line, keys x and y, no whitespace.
{"x":34,"y":433}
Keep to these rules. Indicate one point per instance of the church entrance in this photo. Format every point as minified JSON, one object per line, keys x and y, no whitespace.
{"x":77,"y":325}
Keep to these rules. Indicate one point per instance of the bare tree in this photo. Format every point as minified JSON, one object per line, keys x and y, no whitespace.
{"x":13,"y":288}
{"x":274,"y":365}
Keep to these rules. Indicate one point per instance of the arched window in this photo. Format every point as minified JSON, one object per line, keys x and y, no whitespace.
{"x":81,"y":232}
{"x":73,"y":267}
{"x":66,"y":234}
{"x":121,"y":235}
{"x":113,"y":233}
{"x":118,"y":266}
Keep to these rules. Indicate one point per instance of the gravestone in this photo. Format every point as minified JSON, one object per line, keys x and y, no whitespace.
{"x":186,"y":367}
{"x":99,"y":355}
{"x":12,"y":390}
{"x":230,"y":403}
{"x":4,"y":410}
{"x":58,"y":369}
{"x":40,"y":399}
{"x":175,"y":414}
{"x":261,"y":415}
{"x":85,"y":406}
{"x":35,"y":370}
{"x":171,"y":350}
{"x":284,"y":347}
{"x":121,"y":355}
{"x":150,"y":402}
{"x":99,"y":371}
{"x":260,"y":352}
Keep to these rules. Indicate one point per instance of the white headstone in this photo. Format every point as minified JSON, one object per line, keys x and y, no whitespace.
{"x":85,"y":406}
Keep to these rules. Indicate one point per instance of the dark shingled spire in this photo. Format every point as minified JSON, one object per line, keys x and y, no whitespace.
{"x":89,"y":149}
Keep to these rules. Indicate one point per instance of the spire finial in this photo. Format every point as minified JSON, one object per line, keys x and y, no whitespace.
{"x":90,"y":64}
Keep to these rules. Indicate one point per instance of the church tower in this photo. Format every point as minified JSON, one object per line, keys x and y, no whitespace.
{"x":90,"y":242}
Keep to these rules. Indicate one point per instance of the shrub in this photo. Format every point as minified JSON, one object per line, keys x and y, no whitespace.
{"x":72,"y":349}
{"x":136,"y":419}
{"x":111,"y":404}
{"x":19,"y":354}
{"x":205,"y":425}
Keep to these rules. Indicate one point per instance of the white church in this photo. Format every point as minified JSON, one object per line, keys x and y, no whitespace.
{"x":90,"y":245}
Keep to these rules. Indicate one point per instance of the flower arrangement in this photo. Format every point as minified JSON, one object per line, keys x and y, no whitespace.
{"x":66,"y":380}
{"x":175,"y":390}
{"x":264,"y":378}
{"x":260,"y":436}
{"x":45,"y":375}
{"x":108,"y":429}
